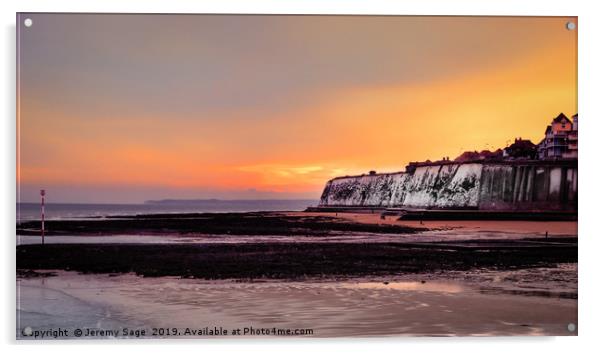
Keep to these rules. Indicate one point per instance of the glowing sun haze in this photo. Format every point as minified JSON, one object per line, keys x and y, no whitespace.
{"x":126,"y":108}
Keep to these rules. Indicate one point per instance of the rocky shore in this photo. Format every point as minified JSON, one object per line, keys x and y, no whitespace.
{"x":251,"y":223}
{"x":315,"y":248}
{"x":292,"y":261}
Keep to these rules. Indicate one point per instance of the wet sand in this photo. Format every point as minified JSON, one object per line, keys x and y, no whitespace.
{"x":521,"y":227}
{"x":358,"y":307}
{"x":288,"y":227}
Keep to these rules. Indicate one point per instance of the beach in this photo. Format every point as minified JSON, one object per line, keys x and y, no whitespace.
{"x":338,"y":274}
{"x":359,"y":307}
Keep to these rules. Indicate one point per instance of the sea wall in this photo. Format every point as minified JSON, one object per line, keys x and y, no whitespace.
{"x":476,"y":185}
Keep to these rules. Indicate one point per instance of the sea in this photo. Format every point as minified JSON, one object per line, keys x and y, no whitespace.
{"x":32,"y":211}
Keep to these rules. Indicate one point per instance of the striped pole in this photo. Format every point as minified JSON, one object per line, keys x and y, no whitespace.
{"x":42,"y":193}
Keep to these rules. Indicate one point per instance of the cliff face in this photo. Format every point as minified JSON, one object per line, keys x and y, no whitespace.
{"x":461,"y":185}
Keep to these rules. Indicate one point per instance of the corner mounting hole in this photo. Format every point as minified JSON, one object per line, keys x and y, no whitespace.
{"x":571,"y":25}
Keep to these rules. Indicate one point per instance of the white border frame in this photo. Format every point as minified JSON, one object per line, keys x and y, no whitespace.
{"x":589,"y":112}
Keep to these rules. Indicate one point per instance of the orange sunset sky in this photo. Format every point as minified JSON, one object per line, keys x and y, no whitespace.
{"x":126,"y":108}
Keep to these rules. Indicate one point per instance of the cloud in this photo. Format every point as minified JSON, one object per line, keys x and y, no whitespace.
{"x":191,"y":66}
{"x":218,"y":105}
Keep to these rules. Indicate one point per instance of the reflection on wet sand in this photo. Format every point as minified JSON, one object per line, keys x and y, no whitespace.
{"x":442,"y":287}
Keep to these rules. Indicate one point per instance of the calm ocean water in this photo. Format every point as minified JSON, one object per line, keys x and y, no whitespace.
{"x":31,"y":211}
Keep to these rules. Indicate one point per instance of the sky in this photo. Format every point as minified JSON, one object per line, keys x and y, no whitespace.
{"x":127,"y":108}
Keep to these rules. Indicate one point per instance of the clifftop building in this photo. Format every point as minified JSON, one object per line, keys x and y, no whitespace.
{"x":560,"y":141}
{"x":520,"y":149}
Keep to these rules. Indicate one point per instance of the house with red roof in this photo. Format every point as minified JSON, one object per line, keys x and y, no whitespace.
{"x":560,"y":141}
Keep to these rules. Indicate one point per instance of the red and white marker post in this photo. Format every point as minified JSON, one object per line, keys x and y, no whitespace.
{"x":42,"y":193}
